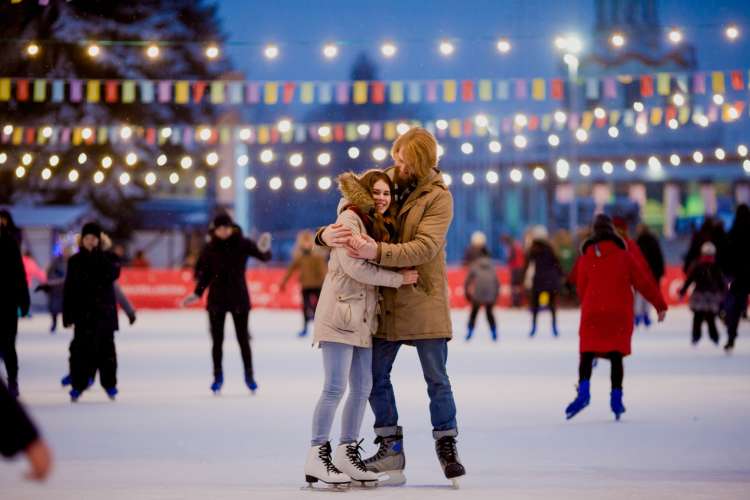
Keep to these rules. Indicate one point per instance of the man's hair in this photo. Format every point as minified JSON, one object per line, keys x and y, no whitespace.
{"x":418,"y":149}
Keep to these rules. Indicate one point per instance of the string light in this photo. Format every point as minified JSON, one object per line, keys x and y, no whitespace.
{"x":3,"y":158}
{"x":266,"y":156}
{"x":539,"y":174}
{"x":582,"y":135}
{"x":353,"y":152}
{"x":447,"y":179}
{"x":746,"y":166}
{"x":212,"y":158}
{"x":174,"y":178}
{"x":8,"y":129}
{"x":330,"y":50}
{"x":379,"y":154}
{"x":124,"y":178}
{"x":54,"y":160}
{"x":26,"y":159}
{"x":324,"y":159}
{"x":46,"y":174}
{"x":584,"y":169}
{"x":560,"y":117}
{"x":388,"y":49}
{"x":630,"y":165}
{"x":481,"y":121}
{"x":698,"y":157}
{"x":440,"y":124}
{"x":503,"y":46}
{"x":212,"y":51}
{"x":733,"y":114}
{"x":617,"y":40}
{"x":718,"y":99}
{"x":47,"y":132}
{"x":295,"y":159}
{"x":82,"y":158}
{"x":674,"y":159}
{"x":200,"y":182}
{"x":446,"y":48}
{"x":243,"y":160}
{"x":654,"y":163}
{"x":720,"y":154}
{"x":492,"y":177}
{"x":402,"y":128}
{"x":300,"y":183}
{"x":641,"y":128}
{"x":204,"y":134}
{"x":271,"y":52}
{"x":250,"y":183}
{"x":225,"y":182}
{"x":166,"y":132}
{"x":324,"y":183}
{"x":742,"y":150}
{"x":99,"y":177}
{"x":87,"y":133}
{"x":495,"y":146}
{"x":638,"y":106}
{"x":186,"y":162}
{"x":324,"y":131}
{"x":106,"y":162}
{"x":675,"y":36}
{"x":284,"y":125}
{"x":520,"y":120}
{"x":245,"y":134}
{"x":732,"y":32}
{"x":673,"y":123}
{"x":562,"y":168}
{"x":20,"y":172}
{"x":516,"y":175}
{"x":613,"y":132}
{"x":126,"y":133}
{"x":73,"y":175}
{"x":440,"y":151}
{"x":131,"y":159}
{"x":150,"y":178}
{"x":153,"y":52}
{"x":520,"y":141}
{"x":32,"y":49}
{"x":275,"y":183}
{"x":608,"y":168}
{"x":467,"y":148}
{"x":93,"y":50}
{"x":467,"y":178}
{"x":553,"y":140}
{"x":678,"y":99}
{"x":161,"y":160}
{"x":599,"y":113}
{"x":363,"y":129}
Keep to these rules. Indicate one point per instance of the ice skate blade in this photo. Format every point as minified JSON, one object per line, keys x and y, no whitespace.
{"x":332,"y":487}
{"x":365,"y":485}
{"x":391,"y":478}
{"x":455,"y":483}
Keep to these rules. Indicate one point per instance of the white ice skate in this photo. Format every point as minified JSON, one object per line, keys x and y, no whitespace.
{"x":349,"y":461}
{"x":319,"y":467}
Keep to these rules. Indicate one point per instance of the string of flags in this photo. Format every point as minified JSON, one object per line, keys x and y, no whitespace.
{"x":185,"y":92}
{"x":286,"y":132}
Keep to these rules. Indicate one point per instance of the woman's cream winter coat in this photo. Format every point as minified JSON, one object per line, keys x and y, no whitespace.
{"x":348,"y":307}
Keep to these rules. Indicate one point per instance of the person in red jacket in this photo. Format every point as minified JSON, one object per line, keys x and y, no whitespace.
{"x":605,"y":275}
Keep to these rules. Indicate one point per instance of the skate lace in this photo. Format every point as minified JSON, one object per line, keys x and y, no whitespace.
{"x":325,"y":455}
{"x":382,"y":450}
{"x":447,"y":449}
{"x":355,"y":457}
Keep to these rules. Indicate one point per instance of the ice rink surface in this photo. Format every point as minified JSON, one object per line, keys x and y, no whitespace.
{"x":686,"y":433}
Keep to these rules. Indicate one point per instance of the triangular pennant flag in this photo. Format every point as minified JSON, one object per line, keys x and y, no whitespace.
{"x":217,"y":92}
{"x":467,"y":91}
{"x":93,"y":90}
{"x":455,"y":128}
{"x":4,"y":89}
{"x":663,"y":83}
{"x":610,"y":88}
{"x":287,"y":93}
{"x":389,"y":131}
{"x":325,"y":93}
{"x":40,"y":90}
{"x":252,"y":90}
{"x":128,"y":91}
{"x":737,"y":80}
{"x":449,"y":90}
{"x":235,"y":92}
{"x":165,"y":91}
{"x":503,"y":90}
{"x":396,"y":92}
{"x":485,"y":90}
{"x":307,"y":92}
{"x":592,"y":88}
{"x":558,"y":89}
{"x":521,"y":90}
{"x":538,"y":89}
{"x":182,"y":92}
{"x":378,"y":92}
{"x":717,"y":82}
{"x":699,"y":83}
{"x":271,"y":93}
{"x":76,"y":90}
{"x":656,"y":116}
{"x":431,"y":91}
{"x":647,"y":86}
{"x":22,"y":90}
{"x":147,"y":91}
{"x":415,"y":92}
{"x":110,"y":91}
{"x":360,"y":92}
{"x":342,"y":93}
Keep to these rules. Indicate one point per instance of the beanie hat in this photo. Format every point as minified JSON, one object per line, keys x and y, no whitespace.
{"x":91,"y":228}
{"x":603,"y":224}
{"x":222,"y":220}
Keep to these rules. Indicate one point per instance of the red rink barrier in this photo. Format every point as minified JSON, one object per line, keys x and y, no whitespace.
{"x":165,"y":288}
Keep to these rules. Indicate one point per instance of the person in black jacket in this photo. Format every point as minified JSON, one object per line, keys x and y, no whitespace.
{"x":221,"y":269}
{"x":544,"y":273}
{"x":18,"y":433}
{"x":738,"y":269}
{"x":708,"y":293}
{"x":14,"y":298}
{"x":90,"y":306}
{"x":649,"y":245}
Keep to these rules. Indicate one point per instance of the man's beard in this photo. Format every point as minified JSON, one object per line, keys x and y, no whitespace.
{"x":403,"y":180}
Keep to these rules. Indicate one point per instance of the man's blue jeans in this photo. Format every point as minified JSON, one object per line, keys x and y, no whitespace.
{"x":433,"y":355}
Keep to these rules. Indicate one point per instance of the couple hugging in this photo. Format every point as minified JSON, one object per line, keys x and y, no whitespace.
{"x":386,"y":286}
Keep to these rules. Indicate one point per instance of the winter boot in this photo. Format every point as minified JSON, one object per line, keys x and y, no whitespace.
{"x":111,"y":392}
{"x":66,"y":380}
{"x":615,"y":402}
{"x":729,"y":347}
{"x":389,"y":461}
{"x":637,"y":319}
{"x":447,"y":454}
{"x":533,"y":331}
{"x":646,"y":320}
{"x":251,"y":384}
{"x":74,"y":395}
{"x":349,"y":461}
{"x":319,"y":467}
{"x":217,"y":383}
{"x":303,"y":332}
{"x":493,"y":333}
{"x":581,"y":401}
{"x":469,"y":333}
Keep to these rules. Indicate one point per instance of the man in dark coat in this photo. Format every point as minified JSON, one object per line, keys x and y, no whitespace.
{"x":90,"y":306}
{"x":547,"y":277}
{"x":221,"y":269}
{"x":14,"y":297}
{"x":650,"y":248}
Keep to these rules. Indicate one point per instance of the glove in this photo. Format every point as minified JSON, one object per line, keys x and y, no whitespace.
{"x":131,"y":318}
{"x":264,"y":242}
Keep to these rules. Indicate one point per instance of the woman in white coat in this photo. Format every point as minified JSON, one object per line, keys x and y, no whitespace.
{"x":345,"y":320}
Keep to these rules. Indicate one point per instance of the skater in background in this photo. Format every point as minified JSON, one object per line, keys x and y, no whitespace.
{"x":482,"y":288}
{"x":516,"y":260}
{"x":311,"y":266}
{"x":738,"y":269}
{"x":418,"y":315}
{"x":648,"y":244}
{"x":9,"y":226}
{"x":19,"y":434}
{"x":621,"y":227}
{"x":345,"y":320}
{"x":89,"y":305}
{"x":221,"y":268}
{"x":708,"y":294}
{"x":605,"y":275}
{"x":477,"y":248}
{"x":14,"y":300}
{"x":543,"y":275}
{"x":54,"y":286}
{"x":33,"y":271}
{"x":140,"y":261}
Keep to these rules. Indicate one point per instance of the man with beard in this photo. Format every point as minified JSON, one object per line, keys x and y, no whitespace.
{"x":415,"y":315}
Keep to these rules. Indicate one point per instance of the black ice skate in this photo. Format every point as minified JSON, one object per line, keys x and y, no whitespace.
{"x":447,"y":454}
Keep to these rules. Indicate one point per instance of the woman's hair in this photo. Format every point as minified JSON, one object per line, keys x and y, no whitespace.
{"x":379,"y":221}
{"x":418,"y":149}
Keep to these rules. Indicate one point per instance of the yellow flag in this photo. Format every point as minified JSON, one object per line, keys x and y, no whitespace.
{"x":449,"y":90}
{"x":17,"y":135}
{"x":656,"y":115}
{"x":454,"y":128}
{"x":587,"y":119}
{"x":683,"y":115}
{"x":217,"y":92}
{"x":93,"y":90}
{"x":307,"y":92}
{"x":264,"y":135}
{"x":271,"y":93}
{"x":663,"y":81}
{"x":717,"y":82}
{"x":181,"y":92}
{"x":397,"y":92}
{"x":4,"y":89}
{"x":77,"y":136}
{"x":360,"y":92}
{"x":614,"y":117}
{"x":389,"y":132}
{"x":485,"y":90}
{"x":538,"y":89}
{"x":40,"y":90}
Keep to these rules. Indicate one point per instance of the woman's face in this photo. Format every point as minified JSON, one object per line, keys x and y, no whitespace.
{"x":223,"y":232}
{"x":381,"y":193}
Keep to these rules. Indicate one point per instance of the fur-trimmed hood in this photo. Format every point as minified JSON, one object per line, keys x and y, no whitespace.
{"x":354,"y":193}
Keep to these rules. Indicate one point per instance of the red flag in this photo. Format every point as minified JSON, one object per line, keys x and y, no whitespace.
{"x":378,"y":92}
{"x":110,"y":91}
{"x":647,"y":86}
{"x":737,"y":80}
{"x":199,"y":90}
{"x":468,"y":127}
{"x":151,"y":135}
{"x":558,"y":89}
{"x":30,"y":133}
{"x":533,"y":122}
{"x":274,"y":135}
{"x":22,"y":90}
{"x":670,"y":114}
{"x":288,"y":92}
{"x":338,"y":133}
{"x":467,"y":90}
